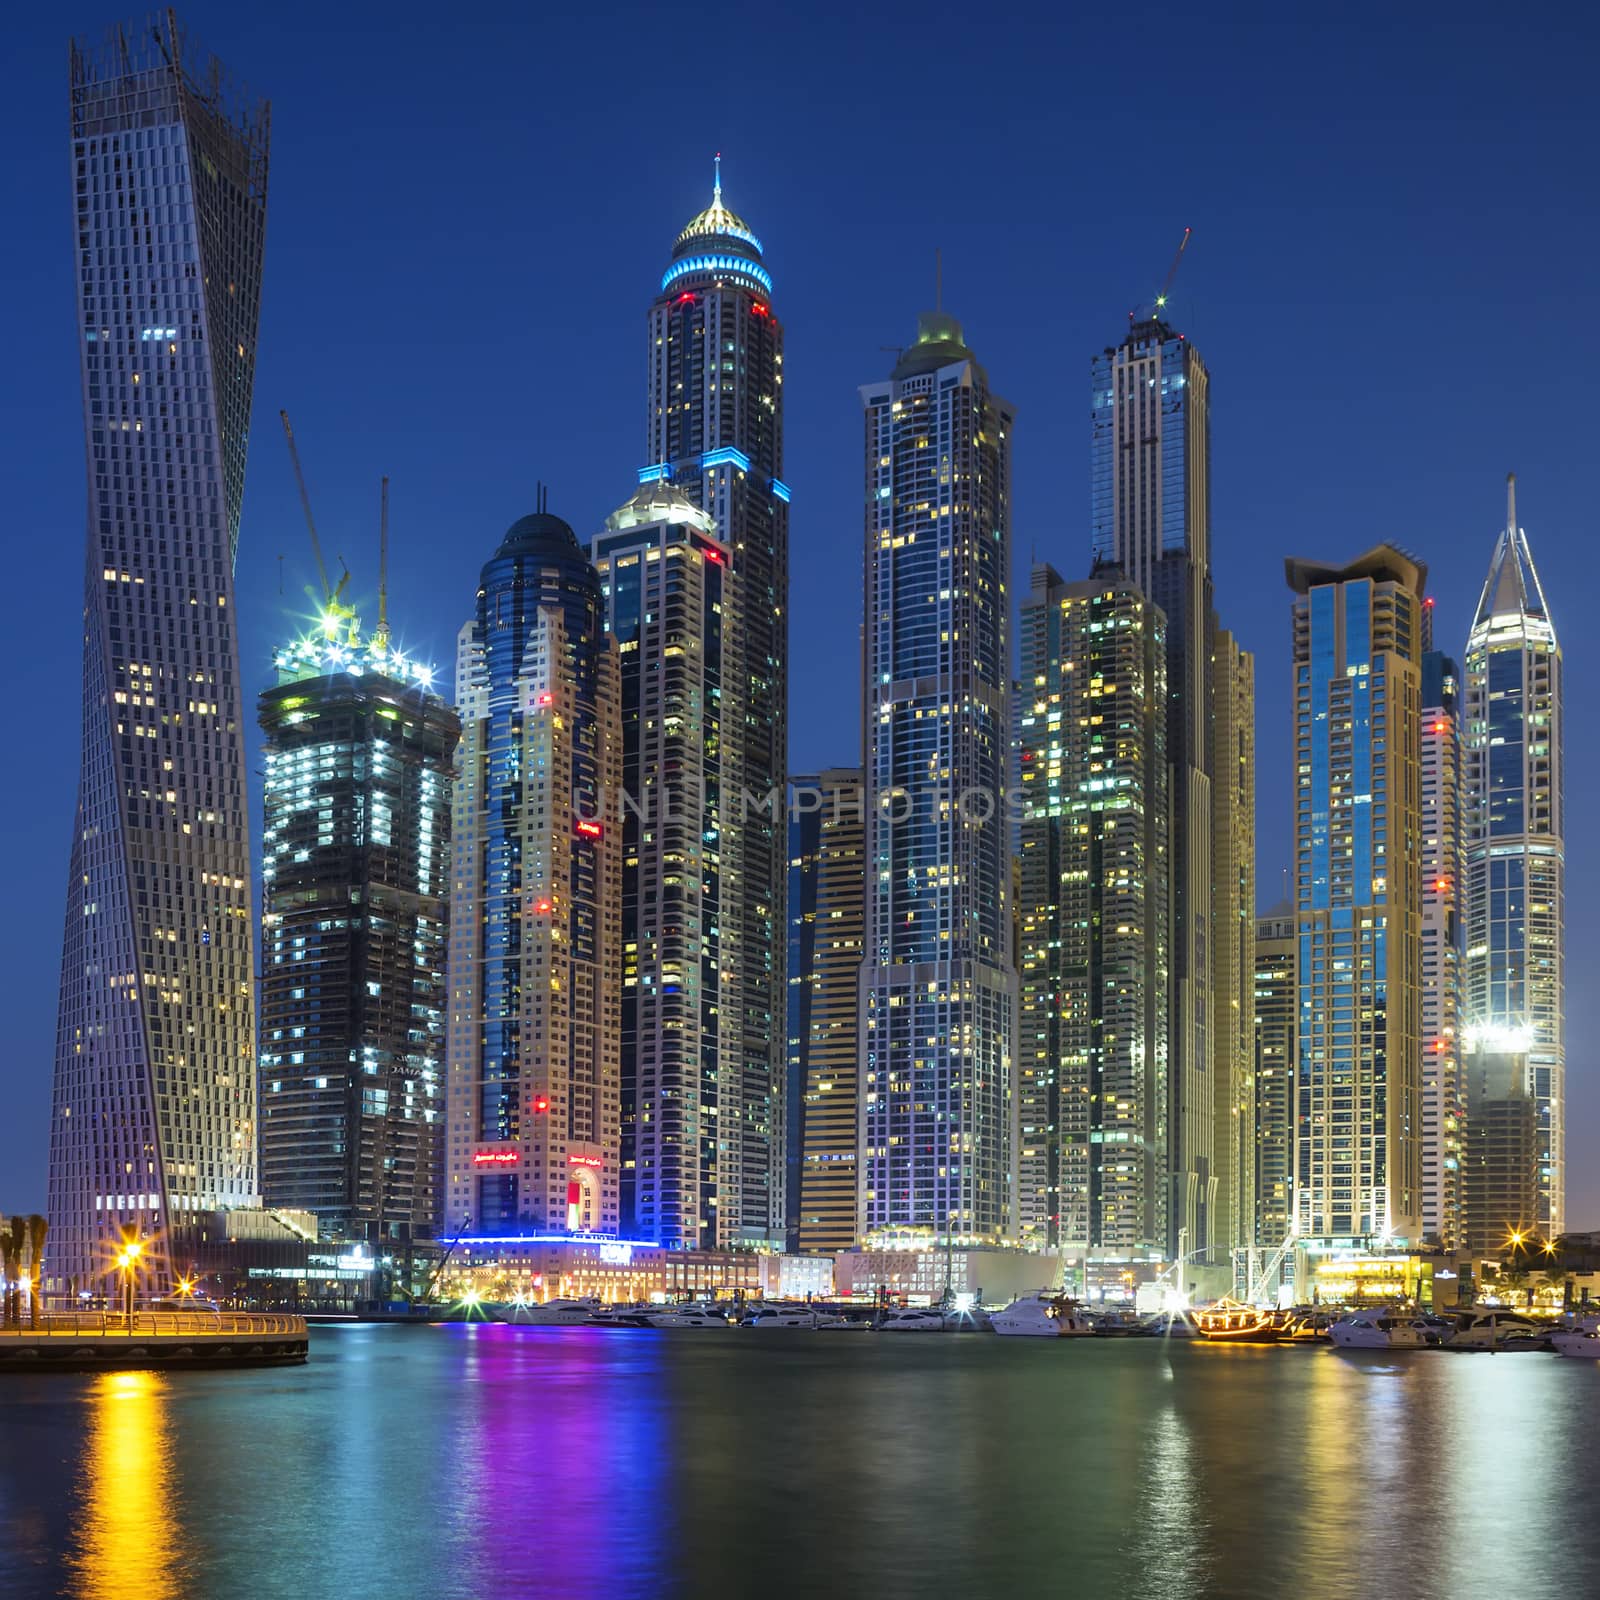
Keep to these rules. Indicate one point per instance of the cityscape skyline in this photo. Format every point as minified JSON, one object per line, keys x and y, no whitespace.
{"x":1064,"y":544}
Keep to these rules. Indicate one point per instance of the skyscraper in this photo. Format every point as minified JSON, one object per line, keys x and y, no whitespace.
{"x":829,"y":1064}
{"x":153,"y":1116}
{"x":1443,"y":950}
{"x":1358,"y":644}
{"x":664,"y":571}
{"x":939,"y":987}
{"x":715,"y":430}
{"x":533,"y":1093}
{"x":355,"y":870}
{"x":1515,"y":852}
{"x":1151,"y":512}
{"x":1233,"y":900}
{"x":1276,"y":1004}
{"x":1095,"y":884}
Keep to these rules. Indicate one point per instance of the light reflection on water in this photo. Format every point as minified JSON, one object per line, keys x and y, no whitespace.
{"x":490,"y":1461}
{"x":126,"y":1544}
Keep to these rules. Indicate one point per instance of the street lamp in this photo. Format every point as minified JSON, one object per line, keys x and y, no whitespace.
{"x":132,"y":1249}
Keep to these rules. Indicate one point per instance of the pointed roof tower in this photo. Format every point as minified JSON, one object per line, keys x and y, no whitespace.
{"x":1512,"y":588}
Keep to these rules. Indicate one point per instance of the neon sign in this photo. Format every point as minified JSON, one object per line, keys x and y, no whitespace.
{"x":583,"y":1161}
{"x":496,"y":1158}
{"x":590,"y":830}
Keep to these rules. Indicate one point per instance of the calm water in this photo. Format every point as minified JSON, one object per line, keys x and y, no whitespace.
{"x":574,"y":1462}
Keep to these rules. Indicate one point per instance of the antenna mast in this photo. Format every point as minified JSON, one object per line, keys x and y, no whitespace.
{"x":1511,"y":504}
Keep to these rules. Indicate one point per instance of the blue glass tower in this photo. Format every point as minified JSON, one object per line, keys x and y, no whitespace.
{"x":939,"y":984}
{"x":1515,"y":848}
{"x":536,"y":896}
{"x":153,"y":1120}
{"x":1359,"y":634}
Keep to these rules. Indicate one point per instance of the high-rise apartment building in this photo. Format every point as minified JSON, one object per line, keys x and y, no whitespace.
{"x":1515,"y":850}
{"x":533,"y":1087}
{"x":715,"y":431}
{"x":1277,"y":1001}
{"x":1151,"y":512}
{"x":355,"y":870}
{"x":1233,"y":900}
{"x":938,"y":985}
{"x":1443,"y":950}
{"x":805,"y":846}
{"x":829,"y":1051}
{"x":1095,"y":936}
{"x":153,"y":1114}
{"x":1358,"y":646}
{"x":665,"y":573}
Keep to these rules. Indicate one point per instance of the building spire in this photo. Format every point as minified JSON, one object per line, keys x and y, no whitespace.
{"x":716,"y":186}
{"x":1511,"y":504}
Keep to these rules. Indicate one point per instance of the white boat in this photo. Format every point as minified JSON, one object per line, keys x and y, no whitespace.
{"x":559,"y":1312}
{"x":1581,"y":1341}
{"x":911,"y":1319}
{"x":1495,"y":1329}
{"x":1041,"y":1316}
{"x":1377,"y":1330}
{"x":621,"y":1317}
{"x":807,"y":1318}
{"x":692,"y":1314}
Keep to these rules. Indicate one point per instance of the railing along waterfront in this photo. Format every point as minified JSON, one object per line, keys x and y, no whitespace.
{"x":152,"y":1324}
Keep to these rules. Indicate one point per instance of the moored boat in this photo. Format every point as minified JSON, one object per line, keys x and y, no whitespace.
{"x":691,"y":1314}
{"x":1041,"y":1316}
{"x":1233,"y":1322}
{"x":1581,"y":1342}
{"x":556,"y":1313}
{"x":1377,"y":1330}
{"x":911,"y":1319}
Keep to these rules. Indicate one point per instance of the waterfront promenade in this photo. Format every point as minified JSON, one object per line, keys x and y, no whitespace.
{"x":110,"y":1339}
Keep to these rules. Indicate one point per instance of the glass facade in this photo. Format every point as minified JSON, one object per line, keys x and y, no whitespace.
{"x":714,"y":410}
{"x":939,"y":984}
{"x":1276,"y":1003}
{"x":534,"y":1092}
{"x":153,"y":1116}
{"x":1358,"y":642}
{"x":1515,"y":850}
{"x":665,"y":575}
{"x":355,"y":874}
{"x":1094,"y":912}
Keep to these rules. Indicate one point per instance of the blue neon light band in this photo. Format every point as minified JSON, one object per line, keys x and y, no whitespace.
{"x":690,"y":264}
{"x":654,"y":474}
{"x":727,"y":456}
{"x":554,"y":1238}
{"x":781,"y":489}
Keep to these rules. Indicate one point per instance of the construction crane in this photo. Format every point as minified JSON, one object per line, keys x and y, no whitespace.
{"x":1172,"y":271}
{"x":334,"y":611}
{"x":380,"y":636}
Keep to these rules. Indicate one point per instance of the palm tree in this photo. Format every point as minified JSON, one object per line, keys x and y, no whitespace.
{"x":1512,"y":1282}
{"x":38,"y":1227}
{"x":11,"y":1244}
{"x":1555,"y":1277}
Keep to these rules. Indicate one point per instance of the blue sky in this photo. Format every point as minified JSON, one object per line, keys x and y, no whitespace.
{"x":1394,"y":244}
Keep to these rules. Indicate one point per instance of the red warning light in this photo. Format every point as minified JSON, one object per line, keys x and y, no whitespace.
{"x":546,"y":698}
{"x":757,"y":309}
{"x":542,"y":907}
{"x":541,"y":1103}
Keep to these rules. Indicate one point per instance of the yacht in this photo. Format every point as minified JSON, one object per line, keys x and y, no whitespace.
{"x":1377,"y":1330}
{"x":559,"y":1312}
{"x":691,"y":1314}
{"x":808,"y":1318}
{"x":1496,"y":1328}
{"x":911,"y":1319}
{"x":1581,"y":1341}
{"x":1041,"y":1316}
{"x":621,"y":1317}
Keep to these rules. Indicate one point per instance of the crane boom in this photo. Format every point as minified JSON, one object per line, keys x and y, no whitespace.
{"x":305,"y":503}
{"x":381,"y":637}
{"x":1172,"y":271}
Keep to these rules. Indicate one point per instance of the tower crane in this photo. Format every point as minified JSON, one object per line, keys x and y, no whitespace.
{"x":1172,"y":271}
{"x":331,"y":601}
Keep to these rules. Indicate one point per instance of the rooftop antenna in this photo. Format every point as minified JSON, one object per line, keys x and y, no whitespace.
{"x":380,"y":638}
{"x":1511,"y":504}
{"x":938,"y":279}
{"x":716,"y":186}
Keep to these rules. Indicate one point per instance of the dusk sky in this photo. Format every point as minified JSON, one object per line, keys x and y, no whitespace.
{"x":1390,"y":278}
